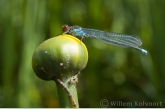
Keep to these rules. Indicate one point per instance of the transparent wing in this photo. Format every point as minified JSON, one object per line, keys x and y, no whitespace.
{"x":116,"y":39}
{"x":113,"y":38}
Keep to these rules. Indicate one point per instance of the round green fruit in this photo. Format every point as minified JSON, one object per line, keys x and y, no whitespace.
{"x":63,"y":55}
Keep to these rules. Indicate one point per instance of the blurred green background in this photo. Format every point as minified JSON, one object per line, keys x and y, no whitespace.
{"x":112,"y":73}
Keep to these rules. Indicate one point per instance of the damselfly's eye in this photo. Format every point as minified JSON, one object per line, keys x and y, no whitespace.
{"x":65,"y":28}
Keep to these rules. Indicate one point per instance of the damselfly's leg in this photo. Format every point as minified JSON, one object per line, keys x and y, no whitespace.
{"x":82,"y":37}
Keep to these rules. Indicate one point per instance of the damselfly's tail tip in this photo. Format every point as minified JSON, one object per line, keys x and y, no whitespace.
{"x":144,"y":51}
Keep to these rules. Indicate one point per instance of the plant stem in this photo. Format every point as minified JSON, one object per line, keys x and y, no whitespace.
{"x":67,"y":93}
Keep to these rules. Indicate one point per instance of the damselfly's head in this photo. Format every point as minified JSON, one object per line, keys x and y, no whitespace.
{"x":65,"y":28}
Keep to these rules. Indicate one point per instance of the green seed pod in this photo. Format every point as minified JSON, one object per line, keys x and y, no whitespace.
{"x":63,"y":55}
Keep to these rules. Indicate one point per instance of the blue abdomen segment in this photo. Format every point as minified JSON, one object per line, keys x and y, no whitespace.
{"x":144,"y":51}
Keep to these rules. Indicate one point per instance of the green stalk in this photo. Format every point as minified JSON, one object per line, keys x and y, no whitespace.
{"x":67,"y":93}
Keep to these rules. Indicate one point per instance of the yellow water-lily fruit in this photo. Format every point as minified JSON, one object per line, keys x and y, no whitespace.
{"x":63,"y":55}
